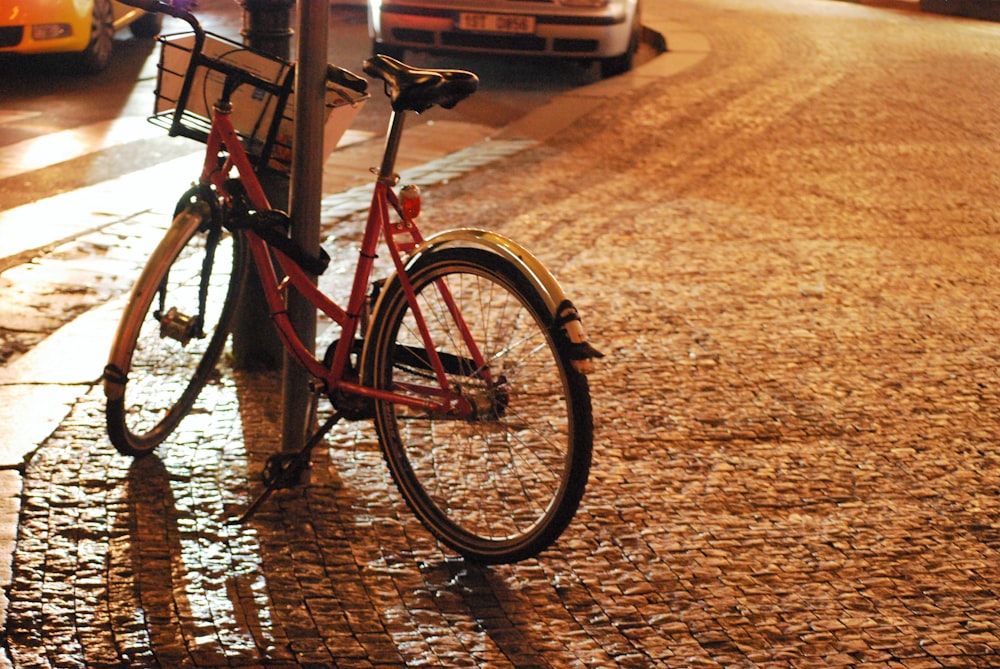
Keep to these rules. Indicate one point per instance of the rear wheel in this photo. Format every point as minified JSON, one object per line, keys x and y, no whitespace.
{"x":173,"y":331}
{"x":502,"y":484}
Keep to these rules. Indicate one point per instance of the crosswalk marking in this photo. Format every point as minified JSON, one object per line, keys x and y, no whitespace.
{"x":14,"y":115}
{"x":54,"y":148}
{"x":61,"y":217}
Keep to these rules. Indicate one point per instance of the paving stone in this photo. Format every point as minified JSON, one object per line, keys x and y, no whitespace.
{"x":795,"y":459}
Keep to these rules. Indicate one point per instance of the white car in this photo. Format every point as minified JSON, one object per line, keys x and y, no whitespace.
{"x":607,"y":31}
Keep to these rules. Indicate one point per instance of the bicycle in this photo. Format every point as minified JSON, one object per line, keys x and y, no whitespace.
{"x":469,"y":358}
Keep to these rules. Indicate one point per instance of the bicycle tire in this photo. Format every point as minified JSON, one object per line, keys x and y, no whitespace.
{"x":153,"y":379}
{"x":504,"y":486}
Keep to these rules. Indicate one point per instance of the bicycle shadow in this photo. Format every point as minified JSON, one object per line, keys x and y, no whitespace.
{"x":193,"y":611}
{"x":366,"y":560}
{"x":505,"y":615}
{"x":324,"y":574}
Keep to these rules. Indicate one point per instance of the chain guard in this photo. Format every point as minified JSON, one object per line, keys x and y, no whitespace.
{"x":349,"y":405}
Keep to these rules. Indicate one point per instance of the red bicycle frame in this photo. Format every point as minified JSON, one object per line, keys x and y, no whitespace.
{"x":401,"y":237}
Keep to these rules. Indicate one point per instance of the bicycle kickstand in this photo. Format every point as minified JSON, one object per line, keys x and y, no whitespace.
{"x":283,"y":470}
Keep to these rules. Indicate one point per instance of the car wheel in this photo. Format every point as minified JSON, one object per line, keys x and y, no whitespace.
{"x":147,"y":25}
{"x":97,"y":55}
{"x":612,"y":67}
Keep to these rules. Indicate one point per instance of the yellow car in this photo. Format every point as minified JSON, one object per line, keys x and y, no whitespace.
{"x":84,"y":29}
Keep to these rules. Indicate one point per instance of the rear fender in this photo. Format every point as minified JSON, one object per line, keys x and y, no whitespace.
{"x":564,"y":314}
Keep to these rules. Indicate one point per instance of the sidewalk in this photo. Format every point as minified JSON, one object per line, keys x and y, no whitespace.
{"x":53,"y":377}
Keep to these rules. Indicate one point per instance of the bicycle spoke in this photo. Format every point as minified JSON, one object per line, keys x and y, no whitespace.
{"x":501,"y":483}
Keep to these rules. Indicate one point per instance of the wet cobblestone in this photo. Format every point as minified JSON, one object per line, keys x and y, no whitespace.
{"x":797,"y":420}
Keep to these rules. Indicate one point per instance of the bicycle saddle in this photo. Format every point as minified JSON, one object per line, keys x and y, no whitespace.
{"x":416,"y":89}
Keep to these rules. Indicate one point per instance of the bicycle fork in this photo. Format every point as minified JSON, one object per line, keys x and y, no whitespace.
{"x":174,"y":324}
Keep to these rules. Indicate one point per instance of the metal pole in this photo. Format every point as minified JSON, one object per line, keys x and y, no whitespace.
{"x":306,"y":193}
{"x":266,"y":28}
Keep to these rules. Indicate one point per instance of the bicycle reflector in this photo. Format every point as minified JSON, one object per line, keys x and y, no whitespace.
{"x":409,"y":201}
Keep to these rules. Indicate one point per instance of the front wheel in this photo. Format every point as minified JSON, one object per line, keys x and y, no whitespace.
{"x":501,"y":484}
{"x":96,"y":56}
{"x":612,"y":67}
{"x":173,"y":330}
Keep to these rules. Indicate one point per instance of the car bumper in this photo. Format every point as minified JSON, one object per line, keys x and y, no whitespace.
{"x":598,"y":36}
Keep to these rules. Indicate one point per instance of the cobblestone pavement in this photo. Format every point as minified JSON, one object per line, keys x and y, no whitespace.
{"x":794,"y":278}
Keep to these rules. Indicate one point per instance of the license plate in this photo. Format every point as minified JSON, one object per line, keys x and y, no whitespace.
{"x":496,"y":23}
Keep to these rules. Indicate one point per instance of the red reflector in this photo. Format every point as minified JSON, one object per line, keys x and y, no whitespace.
{"x":409,"y":201}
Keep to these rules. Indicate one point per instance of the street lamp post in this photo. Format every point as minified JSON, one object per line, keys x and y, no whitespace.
{"x":266,"y":28}
{"x":306,"y":196}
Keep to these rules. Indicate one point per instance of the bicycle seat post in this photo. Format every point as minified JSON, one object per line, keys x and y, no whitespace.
{"x":386,"y":173}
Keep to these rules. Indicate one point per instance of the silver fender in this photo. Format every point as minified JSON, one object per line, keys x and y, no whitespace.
{"x":144,"y":291}
{"x":563,"y":312}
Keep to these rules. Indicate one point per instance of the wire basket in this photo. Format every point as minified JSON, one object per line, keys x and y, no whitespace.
{"x":190,"y":80}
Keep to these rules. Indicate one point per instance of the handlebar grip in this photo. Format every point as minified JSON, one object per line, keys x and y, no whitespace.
{"x":346,"y":78}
